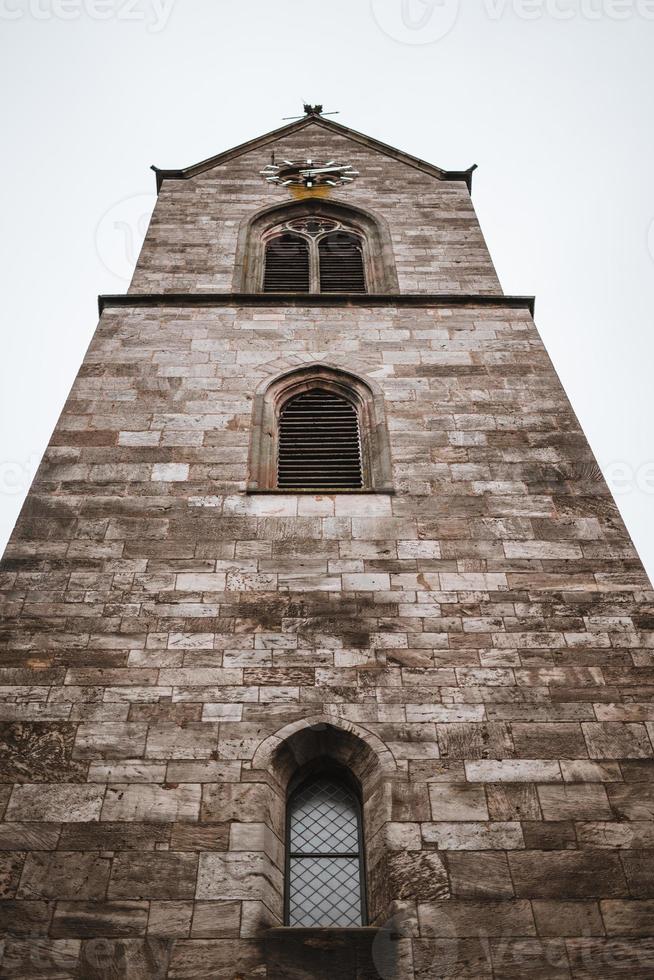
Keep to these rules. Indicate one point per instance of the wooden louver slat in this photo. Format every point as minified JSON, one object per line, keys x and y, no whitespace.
{"x":287,"y":265}
{"x":341,"y":264}
{"x":319,"y":444}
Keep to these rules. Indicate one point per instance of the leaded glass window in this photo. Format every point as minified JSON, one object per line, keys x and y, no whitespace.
{"x":325,"y":880}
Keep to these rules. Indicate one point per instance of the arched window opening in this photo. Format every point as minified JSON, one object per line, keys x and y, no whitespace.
{"x":319,"y":443}
{"x":319,"y":429}
{"x":342,"y":268}
{"x":311,"y":219}
{"x":325,"y":873}
{"x":287,"y":266}
{"x":313,"y":255}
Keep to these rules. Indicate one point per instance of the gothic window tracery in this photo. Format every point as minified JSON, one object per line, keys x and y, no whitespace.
{"x":314,"y":254}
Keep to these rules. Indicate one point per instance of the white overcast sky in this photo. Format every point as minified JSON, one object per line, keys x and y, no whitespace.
{"x":552,"y":98}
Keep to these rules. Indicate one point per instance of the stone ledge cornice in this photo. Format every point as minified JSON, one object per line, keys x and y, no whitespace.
{"x":275,"y":300}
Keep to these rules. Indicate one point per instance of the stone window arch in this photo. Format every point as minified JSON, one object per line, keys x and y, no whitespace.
{"x":346,"y":249}
{"x":340,"y":406}
{"x":317,"y":748}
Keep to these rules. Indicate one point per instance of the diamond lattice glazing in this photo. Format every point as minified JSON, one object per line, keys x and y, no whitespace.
{"x":324,"y":819}
{"x":325,"y":892}
{"x":325,"y":875}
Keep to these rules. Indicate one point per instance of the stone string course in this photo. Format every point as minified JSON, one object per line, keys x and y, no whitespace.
{"x":484,"y":635}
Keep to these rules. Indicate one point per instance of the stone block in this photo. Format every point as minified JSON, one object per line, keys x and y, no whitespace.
{"x":244,"y":802}
{"x":51,"y":803}
{"x":146,"y":801}
{"x":64,"y":875}
{"x":11,"y":866}
{"x":20,"y":918}
{"x":479,"y":875}
{"x":48,"y":959}
{"x":639,"y":870}
{"x":452,"y":959}
{"x":466,"y":918}
{"x":574,"y":802}
{"x":200,"y":837}
{"x":513,"y":771}
{"x":28,"y":836}
{"x":170,"y":920}
{"x":242,"y":875}
{"x":567,"y":875}
{"x":131,"y":959}
{"x":509,"y":802}
{"x":80,"y":919}
{"x":170,"y":472}
{"x":156,"y":875}
{"x":217,"y":959}
{"x":187,"y":741}
{"x":110,"y":741}
{"x":38,"y":752}
{"x":451,"y":802}
{"x":107,"y":836}
{"x":609,"y":959}
{"x":632,"y":801}
{"x":216,"y":920}
{"x":563,"y":919}
{"x":615,"y":740}
{"x":537,"y":959}
{"x":557,"y":741}
{"x":473,"y":836}
{"x":628,"y":918}
{"x":475,"y":741}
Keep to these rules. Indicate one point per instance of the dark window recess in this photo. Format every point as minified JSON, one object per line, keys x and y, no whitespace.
{"x":325,"y":857}
{"x":319,"y":443}
{"x":287,"y":265}
{"x":341,"y":264}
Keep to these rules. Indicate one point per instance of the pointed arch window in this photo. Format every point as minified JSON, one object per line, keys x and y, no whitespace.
{"x":325,"y":872}
{"x":313,"y":255}
{"x":319,"y":429}
{"x":314,"y":219}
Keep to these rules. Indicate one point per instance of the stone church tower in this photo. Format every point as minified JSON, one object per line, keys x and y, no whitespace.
{"x":325,"y":652}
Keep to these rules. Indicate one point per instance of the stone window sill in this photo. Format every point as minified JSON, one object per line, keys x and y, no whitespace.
{"x":322,"y":493}
{"x":322,"y":954}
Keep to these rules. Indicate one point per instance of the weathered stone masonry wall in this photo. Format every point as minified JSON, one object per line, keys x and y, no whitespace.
{"x":485,"y":634}
{"x":438,"y":246}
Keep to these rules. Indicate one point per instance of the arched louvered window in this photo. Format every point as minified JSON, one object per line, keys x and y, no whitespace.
{"x":319,"y":444}
{"x":324,"y":856}
{"x":314,"y":255}
{"x":341,"y":263}
{"x":319,"y":429}
{"x":287,"y":268}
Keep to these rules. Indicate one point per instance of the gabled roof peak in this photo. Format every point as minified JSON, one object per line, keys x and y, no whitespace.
{"x":314,"y":117}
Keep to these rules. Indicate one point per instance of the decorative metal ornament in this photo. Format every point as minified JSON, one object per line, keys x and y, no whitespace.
{"x":309,"y":173}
